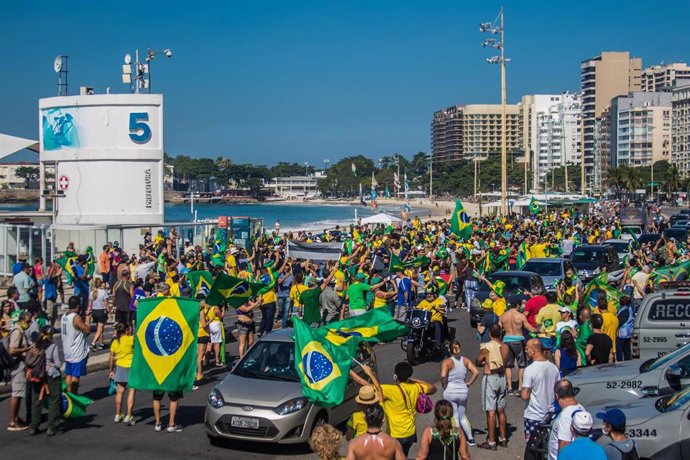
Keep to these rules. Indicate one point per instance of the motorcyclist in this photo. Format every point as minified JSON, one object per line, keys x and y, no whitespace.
{"x":437,"y":307}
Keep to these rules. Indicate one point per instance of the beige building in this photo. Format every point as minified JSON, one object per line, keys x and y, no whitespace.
{"x":463,"y":132}
{"x":680,"y":155}
{"x":9,"y":178}
{"x":658,"y":78}
{"x":603,"y":77}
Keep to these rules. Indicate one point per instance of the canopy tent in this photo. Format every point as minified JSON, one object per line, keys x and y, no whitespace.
{"x":380,"y":218}
{"x":12,"y":144}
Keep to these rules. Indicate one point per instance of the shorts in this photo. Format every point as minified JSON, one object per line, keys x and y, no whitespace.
{"x":172,"y":395}
{"x":530,"y":426}
{"x":246,"y":328}
{"x":121,"y":375}
{"x":203,"y":340}
{"x":99,"y":316}
{"x":123,"y":316}
{"x":76,"y":369}
{"x":19,"y":382}
{"x":493,"y":392}
{"x":216,"y":330}
{"x":516,"y":352}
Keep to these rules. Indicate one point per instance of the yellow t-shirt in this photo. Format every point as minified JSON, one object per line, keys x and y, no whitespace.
{"x":357,"y":423}
{"x":537,"y":250}
{"x":339,"y":277}
{"x":400,"y":410}
{"x":610,"y":326}
{"x":123,"y":349}
{"x":435,"y":308}
{"x":548,"y":317}
{"x":202,"y":330}
{"x":379,"y":302}
{"x":295,"y":292}
{"x":174,"y":288}
{"x":499,"y":306}
{"x":231,"y":264}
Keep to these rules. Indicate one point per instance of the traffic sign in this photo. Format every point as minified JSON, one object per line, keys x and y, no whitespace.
{"x":63,"y":182}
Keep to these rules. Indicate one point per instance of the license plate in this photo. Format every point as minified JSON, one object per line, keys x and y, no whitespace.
{"x":245,"y":422}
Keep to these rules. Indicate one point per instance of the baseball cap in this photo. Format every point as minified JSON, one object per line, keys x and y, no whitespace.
{"x":614,"y":417}
{"x":360,"y":276}
{"x":564,"y":309}
{"x":582,"y":421}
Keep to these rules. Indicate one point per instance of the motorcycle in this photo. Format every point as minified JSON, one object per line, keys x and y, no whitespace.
{"x":419,"y":344}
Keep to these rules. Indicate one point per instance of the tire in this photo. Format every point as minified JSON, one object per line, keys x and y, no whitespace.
{"x":414,"y":353}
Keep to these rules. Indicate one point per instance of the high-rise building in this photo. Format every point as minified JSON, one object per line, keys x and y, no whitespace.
{"x":680,"y":155}
{"x":603,"y":77}
{"x":640,"y":129}
{"x":468,"y":131}
{"x":658,"y":78}
{"x":552,"y":132}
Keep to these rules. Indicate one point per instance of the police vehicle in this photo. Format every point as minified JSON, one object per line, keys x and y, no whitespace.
{"x":661,"y":322}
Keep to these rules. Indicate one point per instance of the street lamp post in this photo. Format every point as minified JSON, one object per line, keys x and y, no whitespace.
{"x":496,"y":28}
{"x":325,"y":164}
{"x":431,"y":177}
{"x":151,"y":55}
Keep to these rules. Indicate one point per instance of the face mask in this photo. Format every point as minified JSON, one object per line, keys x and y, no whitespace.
{"x":24,"y":326}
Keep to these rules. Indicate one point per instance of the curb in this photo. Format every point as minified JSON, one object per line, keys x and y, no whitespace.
{"x":96,"y":364}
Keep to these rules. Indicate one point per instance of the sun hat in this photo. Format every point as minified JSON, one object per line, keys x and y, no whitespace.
{"x":367,"y":395}
{"x":233,"y":250}
{"x":499,"y":287}
{"x":614,"y":417}
{"x":582,"y":421}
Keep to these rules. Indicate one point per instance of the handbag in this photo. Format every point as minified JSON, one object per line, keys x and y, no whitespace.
{"x":112,"y":389}
{"x":424,"y":404}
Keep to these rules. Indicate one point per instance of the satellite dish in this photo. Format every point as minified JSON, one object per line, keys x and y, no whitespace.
{"x":128,"y":59}
{"x":57,"y":64}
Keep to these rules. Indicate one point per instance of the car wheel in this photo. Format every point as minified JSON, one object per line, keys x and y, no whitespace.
{"x":414,"y":353}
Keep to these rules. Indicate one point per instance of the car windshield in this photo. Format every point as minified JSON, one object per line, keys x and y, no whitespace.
{"x":269,"y":360}
{"x":656,"y":363}
{"x":676,"y":233}
{"x":543,"y":268}
{"x":588,"y":256}
{"x":513,"y":283}
{"x":621,"y":246}
{"x":674,"y":401}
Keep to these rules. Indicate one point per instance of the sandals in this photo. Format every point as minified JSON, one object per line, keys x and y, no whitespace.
{"x":487,"y":445}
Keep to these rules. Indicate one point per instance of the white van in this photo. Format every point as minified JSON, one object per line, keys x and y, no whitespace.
{"x":662,"y":323}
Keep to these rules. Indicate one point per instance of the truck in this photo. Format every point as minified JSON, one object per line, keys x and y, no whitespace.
{"x":634,"y":217}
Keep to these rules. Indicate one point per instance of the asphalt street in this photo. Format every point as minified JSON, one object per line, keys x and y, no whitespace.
{"x":97,"y":435}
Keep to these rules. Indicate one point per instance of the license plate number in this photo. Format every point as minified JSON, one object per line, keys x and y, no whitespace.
{"x":245,"y":422}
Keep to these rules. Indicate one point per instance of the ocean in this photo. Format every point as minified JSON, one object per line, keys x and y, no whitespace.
{"x":291,"y":216}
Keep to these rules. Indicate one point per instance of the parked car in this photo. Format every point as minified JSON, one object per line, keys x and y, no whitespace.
{"x":661,"y":323}
{"x":630,"y":380}
{"x":551,"y":269}
{"x":261,"y":398}
{"x":659,"y":426}
{"x":677,"y":233}
{"x":649,"y":238}
{"x":622,"y":247}
{"x":588,"y":258}
{"x":517,"y":282}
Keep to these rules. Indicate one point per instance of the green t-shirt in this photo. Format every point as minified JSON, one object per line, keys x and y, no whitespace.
{"x":311,"y":312}
{"x":583,"y":333}
{"x":356,"y":295}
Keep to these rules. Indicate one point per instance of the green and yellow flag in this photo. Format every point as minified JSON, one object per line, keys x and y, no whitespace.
{"x":395,"y":264}
{"x":676,"y":272}
{"x":68,"y":263}
{"x":376,"y":325}
{"x":73,"y":406}
{"x":165,"y":346}
{"x":235,"y":291}
{"x":90,"y":261}
{"x":600,"y":284}
{"x":200,"y":280}
{"x":460,"y":224}
{"x":534,"y":207}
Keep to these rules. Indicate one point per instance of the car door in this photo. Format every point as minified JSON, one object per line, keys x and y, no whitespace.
{"x":668,"y":386}
{"x":685,"y":433}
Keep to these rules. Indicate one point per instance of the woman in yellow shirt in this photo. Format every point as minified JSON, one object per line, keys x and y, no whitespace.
{"x":296,"y":291}
{"x":382,"y":295}
{"x":203,"y":339}
{"x":121,"y":354}
{"x":356,"y":425}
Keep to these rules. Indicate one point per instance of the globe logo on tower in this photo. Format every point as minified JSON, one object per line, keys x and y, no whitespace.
{"x":163,"y":336}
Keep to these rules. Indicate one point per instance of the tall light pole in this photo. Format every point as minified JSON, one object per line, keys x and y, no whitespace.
{"x":325,"y":164}
{"x":497,"y":28}
{"x":431,"y":177}
{"x":151,"y":55}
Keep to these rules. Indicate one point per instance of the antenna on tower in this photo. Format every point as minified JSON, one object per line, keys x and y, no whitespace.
{"x":60,"y":68}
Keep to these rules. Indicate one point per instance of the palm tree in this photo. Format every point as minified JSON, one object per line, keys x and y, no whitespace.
{"x":615,"y":180}
{"x":673,"y":181}
{"x":631,"y":178}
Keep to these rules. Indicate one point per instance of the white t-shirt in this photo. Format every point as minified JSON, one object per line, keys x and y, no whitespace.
{"x":572,"y":324}
{"x":560,"y":430}
{"x":639,"y":279}
{"x":100,"y":300}
{"x":540,"y":377}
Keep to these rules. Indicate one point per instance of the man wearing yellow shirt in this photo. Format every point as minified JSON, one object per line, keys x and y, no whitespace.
{"x":546,"y":321}
{"x":496,"y":295}
{"x":296,"y":291}
{"x":436,"y":306}
{"x":231,"y":262}
{"x":610,"y":326}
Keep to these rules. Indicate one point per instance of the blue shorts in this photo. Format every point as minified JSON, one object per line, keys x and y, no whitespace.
{"x":76,"y":369}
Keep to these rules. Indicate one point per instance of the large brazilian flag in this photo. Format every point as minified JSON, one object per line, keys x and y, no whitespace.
{"x":460,"y":224}
{"x":165,"y":346}
{"x":376,"y":325}
{"x":235,"y":291}
{"x":200,"y":280}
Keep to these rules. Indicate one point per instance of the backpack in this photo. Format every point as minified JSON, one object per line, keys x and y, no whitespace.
{"x":625,"y":329}
{"x":7,"y":361}
{"x":35,"y":362}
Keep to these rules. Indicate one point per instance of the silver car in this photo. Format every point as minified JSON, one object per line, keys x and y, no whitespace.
{"x":630,"y":380}
{"x":261,"y":398}
{"x":551,"y":269}
{"x":659,"y":426}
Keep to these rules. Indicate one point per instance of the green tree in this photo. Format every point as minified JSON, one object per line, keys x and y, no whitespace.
{"x":28,"y":173}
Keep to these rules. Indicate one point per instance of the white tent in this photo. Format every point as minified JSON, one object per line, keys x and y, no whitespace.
{"x":380,"y":218}
{"x":11,"y":144}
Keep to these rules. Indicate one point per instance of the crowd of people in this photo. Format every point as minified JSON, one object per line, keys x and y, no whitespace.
{"x":539,"y":341}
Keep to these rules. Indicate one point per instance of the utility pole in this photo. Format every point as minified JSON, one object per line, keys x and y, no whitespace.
{"x":431,"y":177}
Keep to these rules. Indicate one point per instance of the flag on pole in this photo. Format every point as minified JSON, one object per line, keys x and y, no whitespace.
{"x":235,"y":291}
{"x":460,"y":224}
{"x":534,"y":206}
{"x":165,"y":346}
{"x":200,"y":280}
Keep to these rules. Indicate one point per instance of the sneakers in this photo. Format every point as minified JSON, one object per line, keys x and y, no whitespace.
{"x":119,"y":418}
{"x":502,"y":442}
{"x":471,"y":443}
{"x":129,"y":420}
{"x":158,"y":428}
{"x":92,"y":347}
{"x":173,"y":429}
{"x":17,"y":427}
{"x":195,"y":387}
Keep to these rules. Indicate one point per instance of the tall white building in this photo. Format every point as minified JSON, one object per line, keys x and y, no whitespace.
{"x":681,"y":127}
{"x":658,"y":78}
{"x":553,"y":134}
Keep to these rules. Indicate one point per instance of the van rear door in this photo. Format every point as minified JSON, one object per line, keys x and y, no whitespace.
{"x":663,"y":326}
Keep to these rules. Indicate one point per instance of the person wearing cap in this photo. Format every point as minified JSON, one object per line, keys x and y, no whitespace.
{"x":355,"y":294}
{"x":311,"y":299}
{"x":231,"y":261}
{"x":621,"y":447}
{"x":582,"y":445}
{"x":19,"y":264}
{"x":496,"y":295}
{"x":433,"y":303}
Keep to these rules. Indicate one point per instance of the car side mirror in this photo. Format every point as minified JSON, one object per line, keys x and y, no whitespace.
{"x":674,"y":373}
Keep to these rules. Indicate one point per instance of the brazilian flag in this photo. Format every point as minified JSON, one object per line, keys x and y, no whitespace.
{"x":200,"y":280}
{"x":71,"y":405}
{"x":68,"y":262}
{"x":534,"y":207}
{"x":395,"y":264}
{"x":323,"y":367}
{"x":165,"y":346}
{"x":600,"y":284}
{"x":421,"y":261}
{"x":235,"y":291}
{"x":460,"y":224}
{"x":90,"y":261}
{"x":522,"y":255}
{"x":676,"y":272}
{"x":376,"y":325}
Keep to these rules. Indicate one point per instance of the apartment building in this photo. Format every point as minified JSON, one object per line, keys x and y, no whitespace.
{"x":661,"y":78}
{"x":463,"y":132}
{"x":680,"y":129}
{"x":602,"y":78}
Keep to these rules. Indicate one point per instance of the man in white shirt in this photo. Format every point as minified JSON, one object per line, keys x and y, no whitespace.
{"x":538,"y":383}
{"x":639,"y":282}
{"x":561,"y":435}
{"x":24,"y":283}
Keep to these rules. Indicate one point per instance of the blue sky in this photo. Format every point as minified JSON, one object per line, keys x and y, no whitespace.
{"x":269,"y":81}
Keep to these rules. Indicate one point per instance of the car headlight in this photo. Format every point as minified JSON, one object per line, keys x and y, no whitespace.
{"x":215,"y":399}
{"x":291,"y":406}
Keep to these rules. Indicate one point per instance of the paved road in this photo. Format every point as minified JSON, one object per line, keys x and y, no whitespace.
{"x":96,"y":434}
